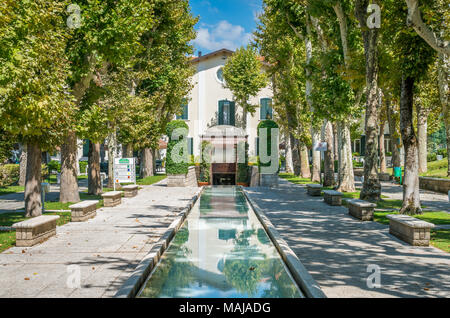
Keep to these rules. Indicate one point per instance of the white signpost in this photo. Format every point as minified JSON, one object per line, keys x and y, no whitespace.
{"x":124,"y":171}
{"x":321,"y":146}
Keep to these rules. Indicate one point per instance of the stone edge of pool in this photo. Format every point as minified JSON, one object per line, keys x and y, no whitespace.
{"x":133,"y":284}
{"x":302,"y":277}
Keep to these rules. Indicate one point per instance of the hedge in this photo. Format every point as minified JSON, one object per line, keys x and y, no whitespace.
{"x":9,"y":174}
{"x":171,"y":166}
{"x":268,"y":124}
{"x":242,"y":173}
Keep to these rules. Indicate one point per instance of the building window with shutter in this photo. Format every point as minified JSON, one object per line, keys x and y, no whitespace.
{"x":226,"y":113}
{"x":190,"y":142}
{"x":266,"y":111}
{"x":185,"y":114}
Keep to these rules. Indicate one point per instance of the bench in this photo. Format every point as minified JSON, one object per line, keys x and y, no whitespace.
{"x":360,"y":209}
{"x":384,"y":176}
{"x":314,"y":190}
{"x":83,"y":211}
{"x":411,"y":230}
{"x":112,"y":198}
{"x":332,"y":197}
{"x":130,"y":191}
{"x":35,"y":230}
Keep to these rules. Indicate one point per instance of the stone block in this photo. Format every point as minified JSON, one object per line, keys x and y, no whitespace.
{"x":35,"y":230}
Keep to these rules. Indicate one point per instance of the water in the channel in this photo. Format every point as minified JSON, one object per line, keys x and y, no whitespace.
{"x":222,"y":251}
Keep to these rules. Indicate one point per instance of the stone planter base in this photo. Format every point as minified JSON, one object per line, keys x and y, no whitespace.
{"x":130,"y":191}
{"x":35,"y":230}
{"x":181,"y":180}
{"x":314,"y":190}
{"x":360,"y":209}
{"x":332,"y":197}
{"x":111,"y":199}
{"x":410,"y":230}
{"x":83,"y":211}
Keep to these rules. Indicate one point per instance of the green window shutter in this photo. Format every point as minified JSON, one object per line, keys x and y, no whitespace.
{"x":220,"y":117}
{"x":266,"y":109}
{"x":190,"y":142}
{"x":269,"y":108}
{"x":262,"y":112}
{"x":185,"y":115}
{"x":232,"y":114}
{"x":257,"y":145}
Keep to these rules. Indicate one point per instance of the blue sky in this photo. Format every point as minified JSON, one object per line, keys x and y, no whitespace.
{"x":224,"y":23}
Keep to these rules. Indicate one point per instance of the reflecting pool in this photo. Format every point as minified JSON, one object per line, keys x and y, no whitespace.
{"x":222,"y":251}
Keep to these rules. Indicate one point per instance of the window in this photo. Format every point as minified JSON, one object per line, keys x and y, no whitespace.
{"x":185,"y":114}
{"x":226,"y":113}
{"x":219,"y":75}
{"x":190,"y":142}
{"x":266,"y":111}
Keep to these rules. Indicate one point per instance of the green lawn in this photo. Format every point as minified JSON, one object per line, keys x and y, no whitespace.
{"x":294,"y":179}
{"x":11,"y":189}
{"x":8,"y":239}
{"x":441,"y":239}
{"x":151,"y":180}
{"x":83,"y":196}
{"x":436,"y":169}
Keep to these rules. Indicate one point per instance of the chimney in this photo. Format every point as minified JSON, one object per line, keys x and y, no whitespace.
{"x":199,"y":53}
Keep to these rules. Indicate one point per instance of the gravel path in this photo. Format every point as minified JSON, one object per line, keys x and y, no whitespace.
{"x":337,"y":249}
{"x":106,"y":249}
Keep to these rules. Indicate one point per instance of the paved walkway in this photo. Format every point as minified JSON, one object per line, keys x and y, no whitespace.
{"x":337,"y":249}
{"x":107,"y":248}
{"x":432,"y":200}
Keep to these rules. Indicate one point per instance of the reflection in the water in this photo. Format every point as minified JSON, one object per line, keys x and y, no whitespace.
{"x":221,"y":251}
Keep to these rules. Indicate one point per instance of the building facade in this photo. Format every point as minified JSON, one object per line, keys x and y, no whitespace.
{"x":210,"y":104}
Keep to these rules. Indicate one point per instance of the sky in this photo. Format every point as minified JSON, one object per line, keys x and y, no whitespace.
{"x":224,"y":23}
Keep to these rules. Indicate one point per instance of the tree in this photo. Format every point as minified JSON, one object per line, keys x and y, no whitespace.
{"x":244,"y":77}
{"x":371,"y":190}
{"x":107,"y":37}
{"x":413,"y":58}
{"x":33,"y":68}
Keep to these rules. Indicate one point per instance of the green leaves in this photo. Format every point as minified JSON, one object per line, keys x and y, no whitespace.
{"x":244,"y":76}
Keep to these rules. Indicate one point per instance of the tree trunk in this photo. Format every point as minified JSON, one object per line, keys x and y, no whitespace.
{"x":383,"y":168}
{"x":422,"y":134}
{"x":444,"y":73}
{"x":146,"y":164}
{"x":371,"y":190}
{"x":304,"y":158}
{"x":69,"y":178}
{"x":23,"y":166}
{"x":411,"y":195}
{"x":112,"y":148}
{"x":396,"y":160}
{"x":327,"y":136}
{"x":335,"y":142}
{"x":315,"y":156}
{"x":94,"y":179}
{"x":33,"y":204}
{"x":288,"y":152}
{"x":295,"y":154}
{"x":127,"y":151}
{"x":346,"y":174}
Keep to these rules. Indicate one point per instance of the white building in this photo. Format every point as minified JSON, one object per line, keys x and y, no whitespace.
{"x":211,"y":104}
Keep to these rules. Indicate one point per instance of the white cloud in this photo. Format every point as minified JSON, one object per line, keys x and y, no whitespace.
{"x":222,"y":35}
